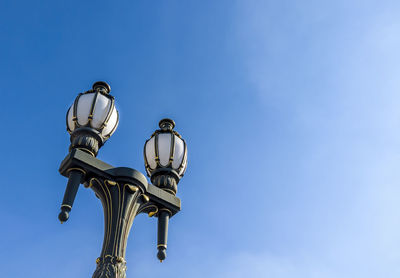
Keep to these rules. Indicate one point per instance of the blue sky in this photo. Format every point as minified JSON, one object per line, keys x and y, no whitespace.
{"x":290,"y":112}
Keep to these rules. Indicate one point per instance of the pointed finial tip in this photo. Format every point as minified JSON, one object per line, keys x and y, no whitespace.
{"x":161,"y":255}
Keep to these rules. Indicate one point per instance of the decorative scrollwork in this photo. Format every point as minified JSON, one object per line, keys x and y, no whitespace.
{"x":150,"y":208}
{"x":110,"y":267}
{"x":120,"y":203}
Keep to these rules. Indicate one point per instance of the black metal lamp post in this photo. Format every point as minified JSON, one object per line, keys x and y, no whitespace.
{"x":124,"y":192}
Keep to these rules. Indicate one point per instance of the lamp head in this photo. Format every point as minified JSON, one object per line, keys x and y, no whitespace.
{"x":92,"y":118}
{"x":165,"y":156}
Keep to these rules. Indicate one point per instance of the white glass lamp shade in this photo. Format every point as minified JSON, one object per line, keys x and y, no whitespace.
{"x":165,"y":150}
{"x":95,"y":110}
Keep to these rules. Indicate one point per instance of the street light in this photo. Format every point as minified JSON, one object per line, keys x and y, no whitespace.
{"x":124,"y":192}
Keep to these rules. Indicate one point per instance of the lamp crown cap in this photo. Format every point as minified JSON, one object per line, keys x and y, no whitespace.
{"x":166,"y":124}
{"x":102,"y":86}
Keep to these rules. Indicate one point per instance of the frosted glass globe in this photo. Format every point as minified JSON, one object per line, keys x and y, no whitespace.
{"x":94,"y":110}
{"x":165,"y":150}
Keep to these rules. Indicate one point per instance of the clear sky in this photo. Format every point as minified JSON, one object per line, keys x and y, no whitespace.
{"x":291,"y":114}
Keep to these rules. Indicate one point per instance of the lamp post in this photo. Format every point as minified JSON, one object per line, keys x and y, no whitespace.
{"x":123,"y":192}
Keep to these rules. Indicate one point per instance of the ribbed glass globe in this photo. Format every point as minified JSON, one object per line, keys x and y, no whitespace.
{"x":165,"y":150}
{"x":94,"y":109}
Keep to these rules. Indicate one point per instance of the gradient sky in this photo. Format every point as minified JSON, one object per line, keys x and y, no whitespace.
{"x":291,"y":114}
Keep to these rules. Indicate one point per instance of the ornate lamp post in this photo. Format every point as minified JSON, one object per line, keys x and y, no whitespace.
{"x":124,"y":192}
